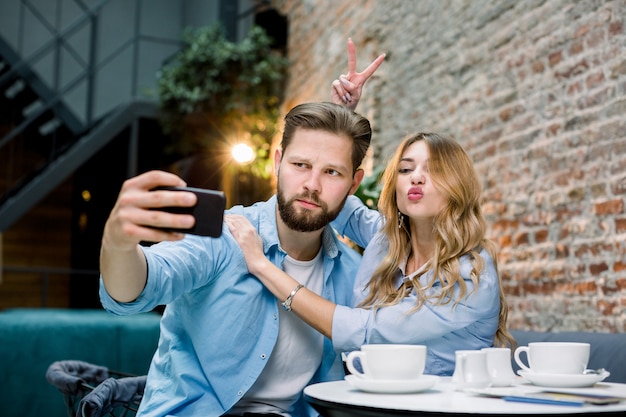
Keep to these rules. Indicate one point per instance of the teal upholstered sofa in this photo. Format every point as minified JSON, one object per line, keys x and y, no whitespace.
{"x":32,"y":339}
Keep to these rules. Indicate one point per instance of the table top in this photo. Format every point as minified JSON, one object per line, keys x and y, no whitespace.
{"x":340,"y":399}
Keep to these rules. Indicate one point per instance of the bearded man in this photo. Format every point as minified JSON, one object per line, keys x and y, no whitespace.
{"x":227,"y":345}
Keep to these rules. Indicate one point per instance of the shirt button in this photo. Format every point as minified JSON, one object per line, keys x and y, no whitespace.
{"x":263,"y":356}
{"x":240,"y":393}
{"x":275,"y":316}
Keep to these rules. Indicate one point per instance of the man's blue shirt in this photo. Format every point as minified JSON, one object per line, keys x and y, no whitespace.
{"x":220,"y":323}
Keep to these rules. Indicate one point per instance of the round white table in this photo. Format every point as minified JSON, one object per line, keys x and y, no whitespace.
{"x":444,"y":399}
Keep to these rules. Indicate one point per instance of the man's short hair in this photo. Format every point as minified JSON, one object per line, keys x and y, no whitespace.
{"x":331,"y":118}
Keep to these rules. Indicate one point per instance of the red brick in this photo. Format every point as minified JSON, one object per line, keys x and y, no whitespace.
{"x":609,"y":207}
{"x":504,"y":241}
{"x":506,"y":114}
{"x":554,"y":58}
{"x":616,"y":28}
{"x":606,"y":307}
{"x":581,"y":31}
{"x":562,"y":251}
{"x":597,"y":269}
{"x":593,"y":249}
{"x":521,"y":238}
{"x":586,"y":287}
{"x":538,"y":67}
{"x":541,"y":236}
{"x":553,"y":129}
{"x":575,"y":87}
{"x":576,"y":48}
{"x":594,"y":80}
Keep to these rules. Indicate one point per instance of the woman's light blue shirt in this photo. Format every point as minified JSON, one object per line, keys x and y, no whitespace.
{"x":220,"y":323}
{"x":471,"y":324}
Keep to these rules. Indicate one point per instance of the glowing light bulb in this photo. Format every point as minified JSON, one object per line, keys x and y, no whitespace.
{"x":242,"y":153}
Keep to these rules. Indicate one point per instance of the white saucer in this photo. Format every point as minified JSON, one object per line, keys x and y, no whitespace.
{"x":563,"y":380}
{"x":386,"y":386}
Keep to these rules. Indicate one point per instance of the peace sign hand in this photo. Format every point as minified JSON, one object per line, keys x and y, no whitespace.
{"x":347,"y":88}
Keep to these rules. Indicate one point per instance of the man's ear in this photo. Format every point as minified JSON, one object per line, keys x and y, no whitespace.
{"x":278,"y":156}
{"x":356,"y":180}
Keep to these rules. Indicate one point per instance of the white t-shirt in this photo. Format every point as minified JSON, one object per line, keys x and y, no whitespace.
{"x":296,"y":356}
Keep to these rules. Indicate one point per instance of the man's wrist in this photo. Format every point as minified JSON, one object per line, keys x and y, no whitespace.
{"x":287,"y":303}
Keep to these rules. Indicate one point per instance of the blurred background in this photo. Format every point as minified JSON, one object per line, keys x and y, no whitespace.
{"x":94,"y":92}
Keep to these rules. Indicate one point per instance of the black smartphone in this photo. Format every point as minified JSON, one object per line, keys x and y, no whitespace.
{"x":208,"y":211}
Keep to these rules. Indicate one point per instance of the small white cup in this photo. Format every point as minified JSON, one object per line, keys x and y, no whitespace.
{"x":388,"y":361}
{"x":569,"y":358}
{"x":457,"y":377}
{"x":470,"y":370}
{"x":499,"y":366}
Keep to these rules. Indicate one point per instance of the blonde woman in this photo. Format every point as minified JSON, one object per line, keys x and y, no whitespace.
{"x":428,"y":275}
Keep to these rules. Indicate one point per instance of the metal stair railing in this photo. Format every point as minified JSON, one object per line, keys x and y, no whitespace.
{"x":15,"y":200}
{"x":56,"y":171}
{"x":58,"y":40}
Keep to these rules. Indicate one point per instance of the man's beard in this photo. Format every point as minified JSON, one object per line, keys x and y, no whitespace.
{"x":304,"y":220}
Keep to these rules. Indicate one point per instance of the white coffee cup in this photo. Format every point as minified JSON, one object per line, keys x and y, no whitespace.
{"x":554,"y":357}
{"x":470,"y":369}
{"x":499,"y":366}
{"x":388,"y":361}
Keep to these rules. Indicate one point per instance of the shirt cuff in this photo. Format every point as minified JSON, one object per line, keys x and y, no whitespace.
{"x":349,"y":328}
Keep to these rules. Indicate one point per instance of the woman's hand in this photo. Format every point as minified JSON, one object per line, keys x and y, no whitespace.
{"x":248,"y":239}
{"x":348,"y":87}
{"x":313,"y":309}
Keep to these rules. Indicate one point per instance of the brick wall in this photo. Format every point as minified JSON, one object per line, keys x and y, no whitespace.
{"x":536,"y":93}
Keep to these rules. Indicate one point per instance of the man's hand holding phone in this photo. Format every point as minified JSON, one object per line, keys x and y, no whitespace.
{"x":141,"y":214}
{"x":208,"y":211}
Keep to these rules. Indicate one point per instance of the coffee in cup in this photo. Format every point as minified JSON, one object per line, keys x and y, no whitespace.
{"x":554,"y":357}
{"x":388,"y":361}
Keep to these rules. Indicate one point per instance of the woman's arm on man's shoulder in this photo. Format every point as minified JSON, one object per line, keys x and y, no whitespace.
{"x":357,"y":221}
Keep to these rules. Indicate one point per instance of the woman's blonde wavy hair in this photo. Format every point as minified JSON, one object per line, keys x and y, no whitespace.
{"x":459,"y":229}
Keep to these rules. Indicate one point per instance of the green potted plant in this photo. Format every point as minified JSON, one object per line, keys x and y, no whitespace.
{"x":215,"y":93}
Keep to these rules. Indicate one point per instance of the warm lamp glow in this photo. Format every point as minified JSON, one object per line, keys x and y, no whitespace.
{"x":242,"y":153}
{"x":86,"y":195}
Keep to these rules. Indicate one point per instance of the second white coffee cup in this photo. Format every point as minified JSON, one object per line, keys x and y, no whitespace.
{"x":554,"y":357}
{"x":499,"y":366}
{"x":388,"y":361}
{"x":470,"y":370}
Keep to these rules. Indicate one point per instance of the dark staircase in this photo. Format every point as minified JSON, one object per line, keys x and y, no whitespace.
{"x":42,"y":142}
